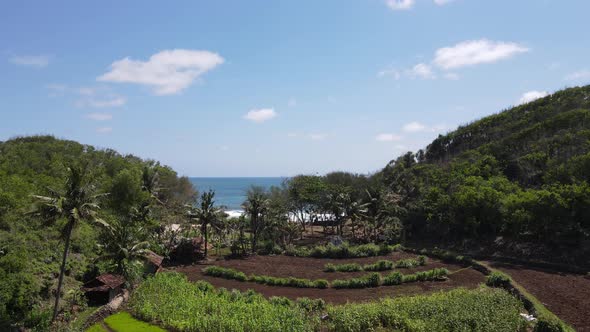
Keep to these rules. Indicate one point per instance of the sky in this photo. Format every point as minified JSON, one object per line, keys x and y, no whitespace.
{"x":278,"y":88}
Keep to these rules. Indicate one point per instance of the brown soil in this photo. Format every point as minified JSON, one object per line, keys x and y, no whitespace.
{"x":312,"y":268}
{"x":566,"y":295}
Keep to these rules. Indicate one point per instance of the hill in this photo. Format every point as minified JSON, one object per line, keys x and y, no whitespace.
{"x":517,"y":180}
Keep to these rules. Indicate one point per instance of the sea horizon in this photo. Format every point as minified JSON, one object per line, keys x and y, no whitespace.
{"x":230,"y":192}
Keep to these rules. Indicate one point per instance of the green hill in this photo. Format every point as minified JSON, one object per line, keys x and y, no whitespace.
{"x":514,"y":178}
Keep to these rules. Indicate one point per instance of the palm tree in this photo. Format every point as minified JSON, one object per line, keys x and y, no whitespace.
{"x":122,"y":246}
{"x":256,"y":206}
{"x":205,"y":215}
{"x":77,"y":202}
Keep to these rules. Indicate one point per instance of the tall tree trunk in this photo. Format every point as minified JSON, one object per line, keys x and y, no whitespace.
{"x":62,"y":270}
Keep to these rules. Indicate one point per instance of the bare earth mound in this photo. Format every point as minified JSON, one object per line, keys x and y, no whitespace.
{"x":566,"y":295}
{"x":312,"y":268}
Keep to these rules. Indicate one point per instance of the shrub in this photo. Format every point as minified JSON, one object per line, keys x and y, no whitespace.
{"x":344,"y":251}
{"x":280,"y":300}
{"x":498,"y":279}
{"x":394,"y":278}
{"x":321,"y":283}
{"x":350,"y":267}
{"x":369,"y":280}
{"x":226,"y":273}
{"x":311,"y":305}
{"x":382,"y":265}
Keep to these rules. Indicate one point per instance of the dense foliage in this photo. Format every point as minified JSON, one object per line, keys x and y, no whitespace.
{"x":521,"y":174}
{"x":32,"y":244}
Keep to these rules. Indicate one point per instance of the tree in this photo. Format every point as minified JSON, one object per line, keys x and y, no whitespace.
{"x":206,"y":214}
{"x":256,"y":206}
{"x":76,"y":203}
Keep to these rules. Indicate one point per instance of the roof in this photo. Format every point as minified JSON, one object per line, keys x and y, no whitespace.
{"x":106,"y":281}
{"x":154,"y":258}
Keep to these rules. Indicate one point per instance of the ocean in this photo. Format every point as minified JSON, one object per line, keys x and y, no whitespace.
{"x":231,"y":192}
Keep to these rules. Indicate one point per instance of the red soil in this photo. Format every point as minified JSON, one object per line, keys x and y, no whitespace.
{"x":567,"y":295}
{"x":312,"y":268}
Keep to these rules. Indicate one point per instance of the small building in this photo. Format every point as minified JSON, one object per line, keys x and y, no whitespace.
{"x":103,"y":288}
{"x":153,"y":262}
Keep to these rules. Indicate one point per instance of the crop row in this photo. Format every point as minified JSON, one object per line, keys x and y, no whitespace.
{"x":370,"y":280}
{"x":381,"y":265}
{"x":176,"y":304}
{"x":343,"y":251}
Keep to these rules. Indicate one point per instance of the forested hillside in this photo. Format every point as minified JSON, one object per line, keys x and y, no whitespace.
{"x":518,"y":178}
{"x":31,"y":246}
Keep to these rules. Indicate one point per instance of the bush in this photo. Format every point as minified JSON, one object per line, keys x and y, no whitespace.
{"x":311,"y":305}
{"x":280,"y":300}
{"x":394,"y":278}
{"x":343,"y":251}
{"x":382,"y":265}
{"x":369,"y":280}
{"x":351,"y":267}
{"x":321,"y":283}
{"x":498,"y":279}
{"x":226,"y":273}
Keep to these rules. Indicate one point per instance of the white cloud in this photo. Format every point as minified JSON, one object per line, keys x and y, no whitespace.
{"x":292,"y":102}
{"x":413,"y":127}
{"x":104,"y":130}
{"x":400,"y":4}
{"x":99,"y":116}
{"x":527,"y":97}
{"x":388,"y":137}
{"x":579,"y":75}
{"x":317,"y":137}
{"x":442,"y":2}
{"x":260,"y":115}
{"x":474,"y":52}
{"x":102,"y":103}
{"x":167,"y":72}
{"x":38,"y":61}
{"x":421,"y":70}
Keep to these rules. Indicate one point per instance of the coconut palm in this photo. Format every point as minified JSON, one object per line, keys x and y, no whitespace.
{"x":122,"y":245}
{"x":77,"y":202}
{"x":256,"y":206}
{"x":205,"y":214}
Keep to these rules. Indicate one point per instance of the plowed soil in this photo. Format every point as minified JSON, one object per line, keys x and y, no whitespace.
{"x":312,"y":268}
{"x":567,"y":295}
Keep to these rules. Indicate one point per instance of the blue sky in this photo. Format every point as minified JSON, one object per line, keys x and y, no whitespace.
{"x":277,"y":88}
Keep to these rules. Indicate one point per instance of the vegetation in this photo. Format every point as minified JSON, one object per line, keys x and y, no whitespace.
{"x":343,"y":251}
{"x":457,"y":310}
{"x":395,"y":278}
{"x":124,"y":322}
{"x":227,"y":273}
{"x":381,"y":265}
{"x":498,"y":279}
{"x":170,"y":299}
{"x":182,"y":306}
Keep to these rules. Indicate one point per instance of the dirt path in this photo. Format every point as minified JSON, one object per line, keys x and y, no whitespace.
{"x":312,"y":268}
{"x":566,"y":295}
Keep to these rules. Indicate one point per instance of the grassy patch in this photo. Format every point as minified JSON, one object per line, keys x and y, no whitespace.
{"x":350,"y":267}
{"x":498,"y":279}
{"x":381,"y":265}
{"x":96,"y":328}
{"x":124,"y":322}
{"x":343,"y":251}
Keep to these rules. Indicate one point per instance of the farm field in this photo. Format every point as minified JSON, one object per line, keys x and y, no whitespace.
{"x":313,"y":268}
{"x":567,"y":295}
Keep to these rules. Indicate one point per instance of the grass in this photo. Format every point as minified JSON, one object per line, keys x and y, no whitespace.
{"x":179,"y":305}
{"x":96,"y":328}
{"x":124,"y":322}
{"x":350,"y":267}
{"x":395,"y":278}
{"x":498,"y":279}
